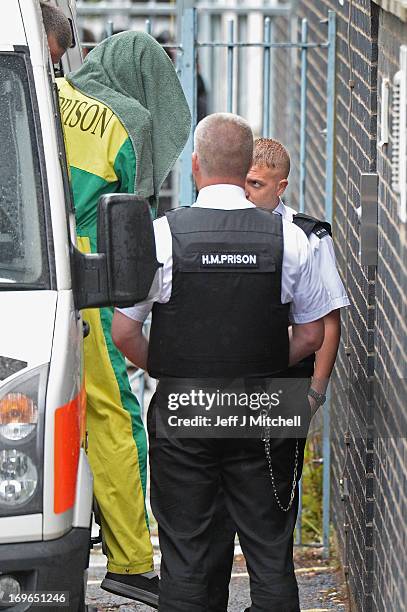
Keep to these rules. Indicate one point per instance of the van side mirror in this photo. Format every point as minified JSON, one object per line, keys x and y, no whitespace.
{"x":123,"y":270}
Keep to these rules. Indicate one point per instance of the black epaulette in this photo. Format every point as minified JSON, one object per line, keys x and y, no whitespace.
{"x":310,"y":225}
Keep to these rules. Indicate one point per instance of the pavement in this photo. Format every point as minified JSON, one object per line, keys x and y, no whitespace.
{"x":320,"y":584}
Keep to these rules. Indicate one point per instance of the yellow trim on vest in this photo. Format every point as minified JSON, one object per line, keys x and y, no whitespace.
{"x":93,"y":133}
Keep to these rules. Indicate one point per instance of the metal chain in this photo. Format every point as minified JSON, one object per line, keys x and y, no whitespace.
{"x":266,"y":440}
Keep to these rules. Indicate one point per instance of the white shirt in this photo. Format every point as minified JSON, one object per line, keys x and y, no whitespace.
{"x":301,"y":285}
{"x":324,"y":256}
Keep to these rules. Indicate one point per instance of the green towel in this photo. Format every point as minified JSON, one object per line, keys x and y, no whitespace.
{"x":132,"y":75}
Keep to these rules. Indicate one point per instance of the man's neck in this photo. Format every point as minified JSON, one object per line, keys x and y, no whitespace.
{"x":269,"y":207}
{"x":220,"y":180}
{"x":275,"y":205}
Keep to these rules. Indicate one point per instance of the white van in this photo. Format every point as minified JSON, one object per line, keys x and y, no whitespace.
{"x":45,"y":480}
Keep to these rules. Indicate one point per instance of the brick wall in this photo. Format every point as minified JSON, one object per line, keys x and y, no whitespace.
{"x":390,"y":449}
{"x":370,"y":522}
{"x":350,"y":410}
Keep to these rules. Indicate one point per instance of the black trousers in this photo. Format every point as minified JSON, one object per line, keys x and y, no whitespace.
{"x":186,"y":476}
{"x":221,"y":550}
{"x":222,"y":545}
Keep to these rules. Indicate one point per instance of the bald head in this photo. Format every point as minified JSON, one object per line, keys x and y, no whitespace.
{"x":223,"y":145}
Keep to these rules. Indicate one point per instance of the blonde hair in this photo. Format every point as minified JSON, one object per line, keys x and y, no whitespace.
{"x":271,"y":153}
{"x":223,"y":143}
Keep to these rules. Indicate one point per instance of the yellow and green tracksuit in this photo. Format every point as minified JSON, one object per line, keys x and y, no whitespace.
{"x":102,"y":160}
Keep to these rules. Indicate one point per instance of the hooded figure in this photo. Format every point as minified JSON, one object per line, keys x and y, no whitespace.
{"x":126,"y":121}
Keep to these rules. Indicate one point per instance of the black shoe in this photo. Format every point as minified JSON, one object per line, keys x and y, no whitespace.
{"x":133,"y":586}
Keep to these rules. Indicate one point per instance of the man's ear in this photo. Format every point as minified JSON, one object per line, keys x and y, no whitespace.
{"x":282,"y":186}
{"x":195,"y":164}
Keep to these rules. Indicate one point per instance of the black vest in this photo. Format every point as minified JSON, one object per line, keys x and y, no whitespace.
{"x":311,"y":225}
{"x":224,"y":317}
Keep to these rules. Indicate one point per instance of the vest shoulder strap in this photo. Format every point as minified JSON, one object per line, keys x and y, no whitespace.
{"x":311,"y":225}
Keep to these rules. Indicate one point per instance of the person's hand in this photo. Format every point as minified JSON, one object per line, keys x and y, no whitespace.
{"x":316,"y":394}
{"x":313,"y":405}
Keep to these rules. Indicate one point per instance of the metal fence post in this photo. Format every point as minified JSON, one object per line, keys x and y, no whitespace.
{"x":231,"y":35}
{"x":303,"y":134}
{"x":292,"y":101}
{"x":109,"y":28}
{"x":303,"y":157}
{"x":187,"y":70}
{"x":330,"y":117}
{"x":329,"y":195}
{"x":266,"y":77}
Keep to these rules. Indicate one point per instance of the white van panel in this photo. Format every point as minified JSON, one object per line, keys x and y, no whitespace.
{"x":84,"y":493}
{"x":11,"y":27}
{"x":27,"y":325}
{"x":42,"y":70}
{"x":55,"y":184}
{"x":72,"y":59}
{"x":64,"y":384}
{"x":26,"y":528}
{"x":35,"y":33}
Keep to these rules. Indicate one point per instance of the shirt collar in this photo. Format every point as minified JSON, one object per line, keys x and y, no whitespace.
{"x":285,"y":211}
{"x":222,"y":197}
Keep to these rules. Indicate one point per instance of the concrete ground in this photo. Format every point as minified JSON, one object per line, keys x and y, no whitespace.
{"x":320,"y":584}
